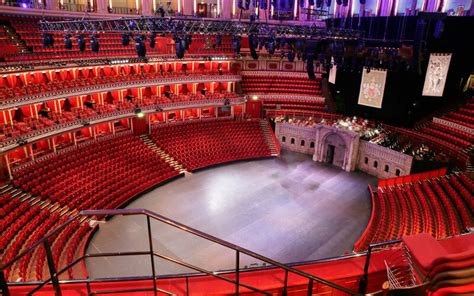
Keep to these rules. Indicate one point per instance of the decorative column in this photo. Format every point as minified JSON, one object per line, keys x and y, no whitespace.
{"x":102,"y":6}
{"x":226,"y":9}
{"x":52,"y":4}
{"x":186,"y":7}
{"x":147,"y":8}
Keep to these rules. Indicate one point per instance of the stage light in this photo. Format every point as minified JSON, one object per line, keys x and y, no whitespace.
{"x":291,"y":56}
{"x":125,"y":39}
{"x":187,"y":41}
{"x":236,"y":44}
{"x":94,"y":43}
{"x":254,"y":98}
{"x":67,"y":41}
{"x":81,"y":43}
{"x":219,"y":40}
{"x":253,"y":44}
{"x":180,"y":46}
{"x":140,"y":47}
{"x":271,"y":46}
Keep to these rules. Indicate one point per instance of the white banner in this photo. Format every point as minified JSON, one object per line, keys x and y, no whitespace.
{"x":436,"y":74}
{"x":332,"y":74}
{"x":372,"y":87}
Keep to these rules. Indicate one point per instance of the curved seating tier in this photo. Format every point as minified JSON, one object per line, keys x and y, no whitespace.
{"x":441,"y":207}
{"x":277,"y":84}
{"x":35,"y":126}
{"x":35,"y":84}
{"x":102,"y":174}
{"x":199,"y":144}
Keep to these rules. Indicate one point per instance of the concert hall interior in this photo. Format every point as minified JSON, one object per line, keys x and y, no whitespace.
{"x":245,"y":147}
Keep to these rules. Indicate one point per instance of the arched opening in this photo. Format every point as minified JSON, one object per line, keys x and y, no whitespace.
{"x":366,"y":160}
{"x":311,"y":145}
{"x":397,"y":172}
{"x":386,"y":168}
{"x":334,"y":150}
{"x":302,"y":142}
{"x":292,"y":140}
{"x":283,"y":139}
{"x":376,"y":164}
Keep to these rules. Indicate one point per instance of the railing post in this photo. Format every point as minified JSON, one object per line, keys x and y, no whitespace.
{"x":285,"y":292}
{"x":152,"y":258}
{"x":237,"y":274}
{"x":187,"y":286}
{"x":3,"y":284}
{"x":52,"y":269}
{"x":365,"y":276}
{"x":310,"y":287}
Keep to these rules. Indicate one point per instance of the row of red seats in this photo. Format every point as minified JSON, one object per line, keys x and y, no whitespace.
{"x":99,"y":175}
{"x":433,"y":206}
{"x":201,"y":144}
{"x":443,"y":135}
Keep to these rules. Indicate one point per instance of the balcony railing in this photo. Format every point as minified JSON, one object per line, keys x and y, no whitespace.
{"x":234,"y":278}
{"x":90,"y":89}
{"x":35,"y":135}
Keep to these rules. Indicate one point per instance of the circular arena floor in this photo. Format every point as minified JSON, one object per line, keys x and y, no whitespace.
{"x":290,"y":209}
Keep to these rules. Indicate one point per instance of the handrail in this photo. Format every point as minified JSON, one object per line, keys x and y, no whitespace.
{"x":365,"y":277}
{"x":170,"y":222}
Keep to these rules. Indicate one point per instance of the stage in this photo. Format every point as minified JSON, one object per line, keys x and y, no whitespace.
{"x":290,"y":209}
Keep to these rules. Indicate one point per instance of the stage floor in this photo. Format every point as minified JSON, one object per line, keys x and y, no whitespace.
{"x":290,"y":209}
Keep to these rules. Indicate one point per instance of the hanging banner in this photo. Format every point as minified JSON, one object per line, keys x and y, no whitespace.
{"x":372,"y":87}
{"x":436,"y":74}
{"x":332,"y":74}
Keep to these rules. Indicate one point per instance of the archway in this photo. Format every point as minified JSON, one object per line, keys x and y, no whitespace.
{"x":334,"y":150}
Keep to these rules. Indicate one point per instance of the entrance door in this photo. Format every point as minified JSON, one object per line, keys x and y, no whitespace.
{"x":330,"y":154}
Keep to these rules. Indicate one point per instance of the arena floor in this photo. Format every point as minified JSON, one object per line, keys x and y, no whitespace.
{"x":290,"y":209}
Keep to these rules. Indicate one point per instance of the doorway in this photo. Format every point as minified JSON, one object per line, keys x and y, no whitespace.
{"x":330,"y":154}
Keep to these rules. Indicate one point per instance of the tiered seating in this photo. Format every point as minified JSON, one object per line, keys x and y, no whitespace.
{"x":45,"y":85}
{"x":98,"y":176}
{"x":8,"y":131}
{"x":433,"y":206}
{"x":463,"y":116}
{"x":448,"y":134}
{"x":277,"y":84}
{"x":200,"y":144}
{"x":293,"y":104}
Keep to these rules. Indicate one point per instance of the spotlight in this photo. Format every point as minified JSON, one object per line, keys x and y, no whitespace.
{"x":187,"y":41}
{"x":81,"y":43}
{"x":291,"y":56}
{"x":219,"y":40}
{"x":94,"y":43}
{"x":253,"y":44}
{"x":125,"y":39}
{"x":271,"y":46}
{"x":236,"y":44}
{"x":67,"y":41}
{"x":46,"y":40}
{"x":140,"y":47}
{"x":180,"y":46}
{"x":51,"y":40}
{"x":152,"y":40}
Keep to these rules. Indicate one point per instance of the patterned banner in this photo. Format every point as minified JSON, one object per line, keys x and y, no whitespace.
{"x":372,"y":87}
{"x":436,"y":75}
{"x":332,"y":74}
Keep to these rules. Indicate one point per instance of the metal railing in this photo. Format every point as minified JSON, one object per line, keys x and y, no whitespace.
{"x":56,"y":283}
{"x":365,"y":278}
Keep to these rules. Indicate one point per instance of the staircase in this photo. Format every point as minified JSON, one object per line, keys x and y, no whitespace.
{"x":269,"y":137}
{"x":165,"y":156}
{"x":15,"y":38}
